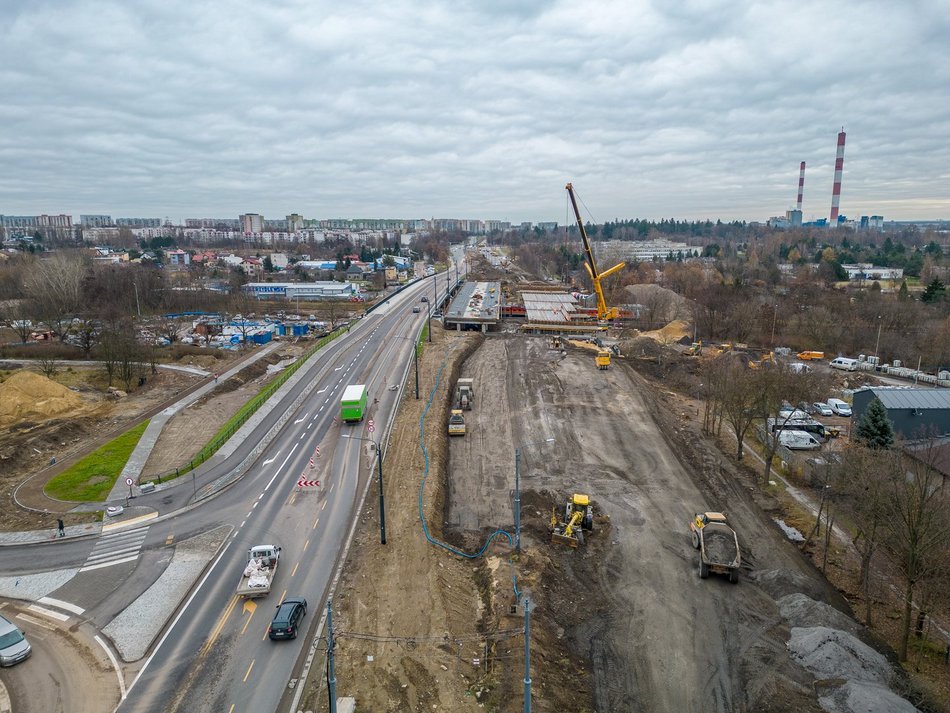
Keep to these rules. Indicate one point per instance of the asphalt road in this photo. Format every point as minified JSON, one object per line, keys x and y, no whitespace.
{"x":216,"y":655}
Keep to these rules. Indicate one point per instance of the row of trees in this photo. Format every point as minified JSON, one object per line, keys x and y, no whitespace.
{"x":892,"y":494}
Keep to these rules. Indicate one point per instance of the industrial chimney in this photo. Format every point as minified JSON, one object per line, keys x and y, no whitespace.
{"x":801,"y":186}
{"x":836,"y":191}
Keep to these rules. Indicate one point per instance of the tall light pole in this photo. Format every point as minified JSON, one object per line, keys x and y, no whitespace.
{"x":382,"y":501}
{"x":877,"y":344}
{"x":527,"y":655}
{"x":518,"y":488}
{"x":435,"y":296}
{"x":774,"y":315}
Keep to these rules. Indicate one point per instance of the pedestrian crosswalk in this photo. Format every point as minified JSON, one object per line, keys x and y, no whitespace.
{"x":116,"y":548}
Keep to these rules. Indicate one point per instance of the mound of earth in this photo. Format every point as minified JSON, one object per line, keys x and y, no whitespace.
{"x":801,"y":610}
{"x":672,"y":332}
{"x":832,"y":654}
{"x":27,"y":396}
{"x":856,"y":697}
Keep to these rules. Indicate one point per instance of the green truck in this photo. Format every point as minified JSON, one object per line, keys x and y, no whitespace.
{"x":353,"y":403}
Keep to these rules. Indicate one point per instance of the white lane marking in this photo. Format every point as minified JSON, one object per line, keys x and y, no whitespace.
{"x":241,"y":525}
{"x":260,"y":496}
{"x":256,"y":502}
{"x":59,"y":603}
{"x":59,"y":616}
{"x":36,"y":622}
{"x":109,"y":564}
{"x":281,"y":466}
{"x":322,"y":390}
{"x":338,"y":368}
{"x":181,"y":613}
{"x":115,"y":665}
{"x":249,"y":513}
{"x":271,"y":460}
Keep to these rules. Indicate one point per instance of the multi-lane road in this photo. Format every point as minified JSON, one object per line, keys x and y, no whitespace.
{"x":215,"y":654}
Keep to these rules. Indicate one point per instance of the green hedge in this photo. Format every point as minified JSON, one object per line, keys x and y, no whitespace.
{"x":92,"y":478}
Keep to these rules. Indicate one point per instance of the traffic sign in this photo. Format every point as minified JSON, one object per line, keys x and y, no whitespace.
{"x":370,"y":428}
{"x":371,"y":423}
{"x":129,"y":481}
{"x":302,"y":483}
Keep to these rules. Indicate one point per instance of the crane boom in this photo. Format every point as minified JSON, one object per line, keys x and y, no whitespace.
{"x":603,"y":313}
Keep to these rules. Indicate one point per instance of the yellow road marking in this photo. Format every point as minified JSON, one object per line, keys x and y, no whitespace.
{"x":307,"y":543}
{"x":170,"y":538}
{"x":282,"y":595}
{"x":295,"y":569}
{"x":315,"y":523}
{"x":248,"y":671}
{"x":216,"y":632}
{"x":324,"y":505}
{"x":251,"y":607}
{"x":231,"y":709}
{"x":293,"y":496}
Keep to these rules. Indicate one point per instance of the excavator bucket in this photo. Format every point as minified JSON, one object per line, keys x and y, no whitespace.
{"x":560,"y":539}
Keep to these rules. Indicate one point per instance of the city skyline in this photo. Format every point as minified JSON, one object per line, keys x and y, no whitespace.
{"x":479,"y":111}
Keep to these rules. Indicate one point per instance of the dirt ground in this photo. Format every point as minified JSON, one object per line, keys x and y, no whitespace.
{"x":26,"y":449}
{"x":623,"y":623}
{"x":188,"y":431}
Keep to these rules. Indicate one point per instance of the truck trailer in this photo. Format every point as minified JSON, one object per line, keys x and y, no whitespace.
{"x":259,"y":571}
{"x":353,"y":403}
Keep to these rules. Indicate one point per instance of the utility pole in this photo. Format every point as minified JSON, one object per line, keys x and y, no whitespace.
{"x":382,"y":502}
{"x":877,"y":344}
{"x":331,"y":670}
{"x":435,"y":296}
{"x":415,"y":350}
{"x":527,"y":655}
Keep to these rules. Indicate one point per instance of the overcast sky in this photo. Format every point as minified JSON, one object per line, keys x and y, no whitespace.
{"x":474,"y":109}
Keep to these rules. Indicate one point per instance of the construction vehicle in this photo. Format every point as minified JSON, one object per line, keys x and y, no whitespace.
{"x":465,"y":393}
{"x":259,"y":571}
{"x":603,"y":313}
{"x":695,"y":349}
{"x":718,"y":545}
{"x":578,"y":516}
{"x":767,"y":359}
{"x":602,"y":360}
{"x":456,"y":423}
{"x":809,"y":356}
{"x":555,"y":342}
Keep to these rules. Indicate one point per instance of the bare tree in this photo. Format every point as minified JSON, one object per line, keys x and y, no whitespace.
{"x":55,"y":286}
{"x":918,"y":525}
{"x":863,"y":482}
{"x":740,"y":398}
{"x":48,"y":366}
{"x":17,"y":313}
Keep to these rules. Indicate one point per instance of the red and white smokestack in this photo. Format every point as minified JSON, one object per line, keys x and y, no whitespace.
{"x":801,"y":186}
{"x":836,"y":191}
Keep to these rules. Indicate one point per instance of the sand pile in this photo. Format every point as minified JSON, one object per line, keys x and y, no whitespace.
{"x":672,"y":332}
{"x":27,"y":396}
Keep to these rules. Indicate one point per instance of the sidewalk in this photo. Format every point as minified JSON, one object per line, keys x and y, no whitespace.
{"x":133,"y":468}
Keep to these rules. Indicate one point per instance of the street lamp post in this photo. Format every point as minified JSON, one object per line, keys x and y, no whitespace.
{"x":527,"y":655}
{"x":877,"y":344}
{"x":382,"y":501}
{"x":518,"y":488}
{"x":435,"y":296}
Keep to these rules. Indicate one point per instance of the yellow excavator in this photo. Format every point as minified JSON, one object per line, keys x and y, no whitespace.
{"x":603,"y":313}
{"x":577,"y":512}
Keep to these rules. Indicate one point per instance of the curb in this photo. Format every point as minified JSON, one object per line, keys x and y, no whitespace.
{"x":5,"y":705}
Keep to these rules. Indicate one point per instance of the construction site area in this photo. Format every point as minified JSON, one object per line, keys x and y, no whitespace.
{"x":552,"y":471}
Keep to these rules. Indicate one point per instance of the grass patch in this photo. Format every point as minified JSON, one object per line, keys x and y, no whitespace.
{"x":92,"y":478}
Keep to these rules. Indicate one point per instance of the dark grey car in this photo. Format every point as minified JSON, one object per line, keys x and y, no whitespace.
{"x":13,"y":644}
{"x":286,"y":622}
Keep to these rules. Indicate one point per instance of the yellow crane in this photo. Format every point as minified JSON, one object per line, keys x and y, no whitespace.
{"x":603,"y":312}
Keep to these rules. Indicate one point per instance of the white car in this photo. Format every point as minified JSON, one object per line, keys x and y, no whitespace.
{"x":787,"y":413}
{"x":839,"y":407}
{"x":823,"y":408}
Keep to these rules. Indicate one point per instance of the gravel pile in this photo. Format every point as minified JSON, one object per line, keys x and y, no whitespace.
{"x":831,"y":654}
{"x":854,"y":697}
{"x":800,"y":610}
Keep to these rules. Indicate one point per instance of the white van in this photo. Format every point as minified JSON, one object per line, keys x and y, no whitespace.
{"x":844,"y":363}
{"x":798,"y":440}
{"x":841,"y":408}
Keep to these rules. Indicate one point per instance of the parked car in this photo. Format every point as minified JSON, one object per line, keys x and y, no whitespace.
{"x":286,"y":621}
{"x":798,"y":440}
{"x":839,"y":407}
{"x":14,"y":647}
{"x":844,"y":363}
{"x":791,"y":414}
{"x":822,"y":408}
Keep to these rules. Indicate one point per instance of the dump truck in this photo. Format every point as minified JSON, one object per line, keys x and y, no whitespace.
{"x":465,"y":393}
{"x":810,"y":355}
{"x":259,"y":572}
{"x":353,"y":403}
{"x":602,"y":360}
{"x":718,"y":545}
{"x":456,"y":423}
